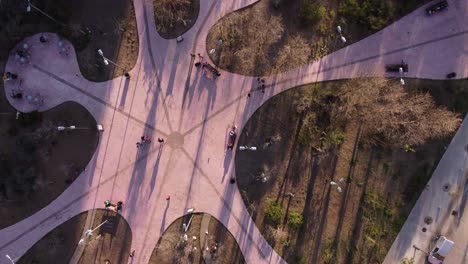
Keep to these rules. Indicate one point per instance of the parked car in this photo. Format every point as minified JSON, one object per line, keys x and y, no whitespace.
{"x":437,"y":7}
{"x":441,"y":249}
{"x":396,"y":67}
{"x":451,"y":75}
{"x":232,"y":138}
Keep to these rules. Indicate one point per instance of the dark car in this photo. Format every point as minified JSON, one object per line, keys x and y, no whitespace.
{"x":232,"y":138}
{"x":451,"y":75}
{"x":437,"y":7}
{"x":396,"y":67}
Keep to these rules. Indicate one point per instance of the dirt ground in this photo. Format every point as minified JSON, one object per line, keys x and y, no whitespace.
{"x":219,"y":246}
{"x":109,"y":25}
{"x":37,"y":162}
{"x":175,"y":17}
{"x":110,"y":242}
{"x":380,"y":186}
{"x":253,"y":45}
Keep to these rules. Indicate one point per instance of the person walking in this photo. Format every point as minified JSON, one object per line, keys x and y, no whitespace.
{"x":138,"y":144}
{"x":160,"y":140}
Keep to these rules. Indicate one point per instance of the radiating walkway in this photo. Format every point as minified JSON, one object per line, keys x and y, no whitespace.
{"x":168,"y":97}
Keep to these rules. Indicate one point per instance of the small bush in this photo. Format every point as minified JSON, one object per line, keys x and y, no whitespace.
{"x":295,"y":220}
{"x":274,"y":212}
{"x":372,"y":14}
{"x":300,"y":260}
{"x":333,"y":139}
{"x":310,"y":13}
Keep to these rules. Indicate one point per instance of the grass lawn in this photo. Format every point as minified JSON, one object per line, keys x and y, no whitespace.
{"x":174,"y":17}
{"x":218,"y":246}
{"x":37,"y":162}
{"x":317,"y":224}
{"x":110,"y":242}
{"x":90,"y":25}
{"x":266,"y":38}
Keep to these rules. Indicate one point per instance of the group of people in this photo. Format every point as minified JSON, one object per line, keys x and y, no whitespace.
{"x":147,"y":139}
{"x":9,"y":77}
{"x":115,"y":207}
{"x":261,"y":84}
{"x":205,"y":66}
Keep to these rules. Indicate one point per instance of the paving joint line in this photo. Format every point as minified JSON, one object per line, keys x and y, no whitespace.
{"x":78,"y":198}
{"x":225,"y":203}
{"x":128,"y":115}
{"x":153,"y":63}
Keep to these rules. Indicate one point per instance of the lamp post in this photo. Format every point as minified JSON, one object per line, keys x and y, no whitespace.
{"x":99,"y":127}
{"x":185,"y":226}
{"x":338,"y":188}
{"x":11,"y":260}
{"x":400,"y":70}
{"x":247,"y":148}
{"x":89,"y":232}
{"x":402,"y":81}
{"x":107,"y":60}
{"x":343,"y":39}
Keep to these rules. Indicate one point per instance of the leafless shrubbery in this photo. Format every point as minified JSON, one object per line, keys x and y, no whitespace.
{"x":169,"y":12}
{"x":249,"y":44}
{"x":390,"y":113}
{"x":296,"y":51}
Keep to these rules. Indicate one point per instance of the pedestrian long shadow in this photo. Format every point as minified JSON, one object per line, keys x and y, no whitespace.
{"x":155,"y":170}
{"x":200,"y":143}
{"x":137,"y":179}
{"x":123,"y":98}
{"x":163,"y":223}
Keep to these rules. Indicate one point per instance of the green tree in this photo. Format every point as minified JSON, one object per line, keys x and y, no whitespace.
{"x":310,"y":13}
{"x":332,"y":139}
{"x":295,"y":220}
{"x":274,"y":212}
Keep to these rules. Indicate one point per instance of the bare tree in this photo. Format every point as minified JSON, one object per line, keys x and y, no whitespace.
{"x":168,"y":12}
{"x":250,"y":45}
{"x":295,"y":52}
{"x":388,"y":112}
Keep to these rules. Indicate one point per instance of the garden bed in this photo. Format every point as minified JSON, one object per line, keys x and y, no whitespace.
{"x":285,"y":184}
{"x":174,"y":17}
{"x":267,"y":38}
{"x":38,"y":162}
{"x":110,"y":242}
{"x":217,"y":245}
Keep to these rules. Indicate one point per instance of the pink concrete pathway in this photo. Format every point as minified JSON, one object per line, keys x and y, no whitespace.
{"x":167,"y":97}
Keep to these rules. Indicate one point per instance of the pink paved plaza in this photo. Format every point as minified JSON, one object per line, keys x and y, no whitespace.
{"x":168,"y":97}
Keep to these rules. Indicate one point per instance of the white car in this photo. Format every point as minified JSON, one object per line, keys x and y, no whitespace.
{"x":441,"y":249}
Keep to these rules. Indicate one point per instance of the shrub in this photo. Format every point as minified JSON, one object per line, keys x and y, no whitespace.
{"x":333,"y":139}
{"x":274,"y":212}
{"x":300,"y":260}
{"x":310,"y":13}
{"x":295,"y":220}
{"x":373,"y":14}
{"x":350,"y":9}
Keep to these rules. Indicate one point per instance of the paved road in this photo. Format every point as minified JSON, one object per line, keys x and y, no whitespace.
{"x":167,"y":97}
